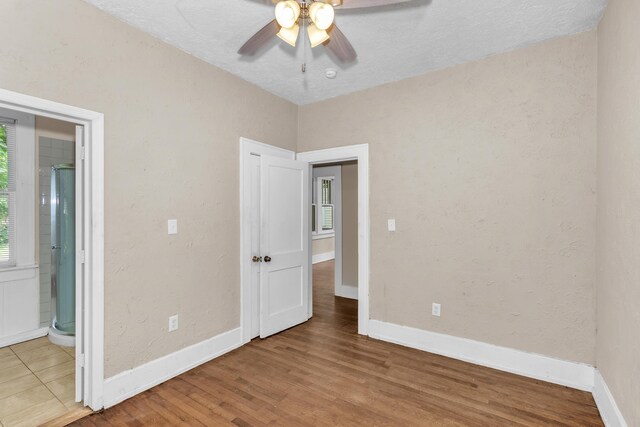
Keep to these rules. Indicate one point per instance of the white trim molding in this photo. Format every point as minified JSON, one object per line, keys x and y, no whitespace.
{"x":323,"y":236}
{"x":607,"y":405}
{"x":347,"y":291}
{"x":545,"y":368}
{"x":24,"y":336}
{"x":327,"y":256}
{"x":134,"y":381}
{"x":361,"y":154}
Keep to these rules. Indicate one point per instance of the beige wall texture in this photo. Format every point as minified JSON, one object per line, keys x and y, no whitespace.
{"x":56,"y":129}
{"x":172,"y":125}
{"x":350,"y":224}
{"x":323,"y":246}
{"x":618,"y":277}
{"x":489,"y":169}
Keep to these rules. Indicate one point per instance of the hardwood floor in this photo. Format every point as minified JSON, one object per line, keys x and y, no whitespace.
{"x":322,"y":373}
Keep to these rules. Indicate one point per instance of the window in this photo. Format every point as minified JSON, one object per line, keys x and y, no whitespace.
{"x":7,"y":192}
{"x":323,"y":207}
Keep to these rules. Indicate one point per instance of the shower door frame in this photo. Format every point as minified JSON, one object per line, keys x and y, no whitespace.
{"x":91,"y":303}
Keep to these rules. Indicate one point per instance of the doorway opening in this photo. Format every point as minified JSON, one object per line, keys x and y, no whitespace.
{"x":38,"y":338}
{"x":51,"y":277}
{"x":334,"y":232}
{"x":354,"y":166}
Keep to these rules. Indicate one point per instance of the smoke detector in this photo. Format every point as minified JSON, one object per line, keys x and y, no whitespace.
{"x":331,"y":73}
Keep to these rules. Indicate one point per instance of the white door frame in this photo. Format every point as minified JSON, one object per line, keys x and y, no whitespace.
{"x":361,"y":154}
{"x":93,"y":229}
{"x":248,"y":148}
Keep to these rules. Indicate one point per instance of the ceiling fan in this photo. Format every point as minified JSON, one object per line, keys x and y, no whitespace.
{"x":318,"y":17}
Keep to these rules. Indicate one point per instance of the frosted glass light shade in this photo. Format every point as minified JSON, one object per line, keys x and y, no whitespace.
{"x":289,"y":35}
{"x":316,"y":36}
{"x":322,"y":15}
{"x":287,"y":13}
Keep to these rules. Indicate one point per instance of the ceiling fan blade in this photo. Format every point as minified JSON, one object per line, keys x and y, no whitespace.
{"x":340,"y":46}
{"x":357,"y":4}
{"x":259,"y":39}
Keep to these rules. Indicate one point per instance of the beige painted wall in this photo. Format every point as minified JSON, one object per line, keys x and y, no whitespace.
{"x":618,"y":278}
{"x":350,"y":224}
{"x":172,"y":129}
{"x":57,"y":129}
{"x":322,"y":246}
{"x":489,"y":169}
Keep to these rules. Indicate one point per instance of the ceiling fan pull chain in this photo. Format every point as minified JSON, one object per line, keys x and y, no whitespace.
{"x":304,"y":38}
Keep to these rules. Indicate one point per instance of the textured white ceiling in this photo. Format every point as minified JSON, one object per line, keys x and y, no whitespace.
{"x":393,"y":42}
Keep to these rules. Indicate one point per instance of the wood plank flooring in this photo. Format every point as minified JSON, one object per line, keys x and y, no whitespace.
{"x":322,"y":374}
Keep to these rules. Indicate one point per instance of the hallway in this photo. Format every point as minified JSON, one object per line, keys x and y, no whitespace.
{"x":322,"y":373}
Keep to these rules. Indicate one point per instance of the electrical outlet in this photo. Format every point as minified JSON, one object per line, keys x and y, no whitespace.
{"x":391,"y":225}
{"x":172,"y":226}
{"x":173,"y":323}
{"x":435,"y":309}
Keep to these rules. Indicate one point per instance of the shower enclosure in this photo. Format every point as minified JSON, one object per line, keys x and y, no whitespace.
{"x":63,"y":259}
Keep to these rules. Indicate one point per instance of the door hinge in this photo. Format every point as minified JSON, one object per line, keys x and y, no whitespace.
{"x":82,"y":152}
{"x":81,"y":360}
{"x":81,"y":256}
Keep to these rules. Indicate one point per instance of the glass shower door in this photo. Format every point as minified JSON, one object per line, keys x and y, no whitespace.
{"x":63,"y":262}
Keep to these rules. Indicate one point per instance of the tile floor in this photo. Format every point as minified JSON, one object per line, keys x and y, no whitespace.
{"x":37,"y":382}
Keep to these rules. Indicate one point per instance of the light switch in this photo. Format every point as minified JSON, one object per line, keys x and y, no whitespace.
{"x":172,"y":226}
{"x":436,"y":309}
{"x":392,"y":225}
{"x":173,"y":323}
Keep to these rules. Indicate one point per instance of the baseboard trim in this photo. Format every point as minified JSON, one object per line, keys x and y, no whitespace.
{"x":327,"y":256}
{"x":129,"y":383}
{"x":570,"y":374}
{"x":24,"y":336}
{"x":346,"y":291}
{"x":607,"y":406}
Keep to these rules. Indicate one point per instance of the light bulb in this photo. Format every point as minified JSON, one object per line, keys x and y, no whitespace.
{"x":287,"y":13}
{"x":321,"y":14}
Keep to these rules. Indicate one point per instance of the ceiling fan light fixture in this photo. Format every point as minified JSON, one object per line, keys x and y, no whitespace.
{"x":316,"y":35}
{"x":322,"y":15}
{"x":289,"y":35}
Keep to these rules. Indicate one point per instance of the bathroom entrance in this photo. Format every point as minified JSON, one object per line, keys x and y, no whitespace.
{"x":39,"y":375}
{"x":20,"y":280}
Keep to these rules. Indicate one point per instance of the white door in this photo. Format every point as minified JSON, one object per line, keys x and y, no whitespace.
{"x":79,"y":202}
{"x":284,"y":242}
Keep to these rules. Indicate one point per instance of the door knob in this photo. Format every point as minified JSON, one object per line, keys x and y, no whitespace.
{"x":257,"y":259}
{"x":267,"y":259}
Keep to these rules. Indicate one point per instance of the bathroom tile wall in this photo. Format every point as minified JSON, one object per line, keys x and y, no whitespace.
{"x":51,"y":152}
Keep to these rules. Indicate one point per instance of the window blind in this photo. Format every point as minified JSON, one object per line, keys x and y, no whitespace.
{"x":326,"y":191}
{"x":7,"y":191}
{"x":327,"y":217}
